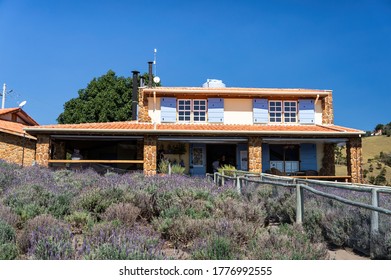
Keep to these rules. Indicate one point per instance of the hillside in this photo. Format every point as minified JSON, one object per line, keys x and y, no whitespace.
{"x":372,"y":146}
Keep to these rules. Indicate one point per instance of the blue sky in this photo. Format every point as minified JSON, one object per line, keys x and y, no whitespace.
{"x":51,"y":49}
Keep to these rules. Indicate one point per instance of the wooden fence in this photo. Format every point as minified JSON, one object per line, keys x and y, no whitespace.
{"x":301,"y":185}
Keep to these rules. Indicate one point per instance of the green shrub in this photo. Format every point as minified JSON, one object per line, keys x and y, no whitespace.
{"x":177,"y":169}
{"x":163,"y":166}
{"x":125,"y":213}
{"x":286,"y":242}
{"x":80,"y":221}
{"x":7,"y":233}
{"x":228,"y":169}
{"x":214,"y":248}
{"x":9,"y":251}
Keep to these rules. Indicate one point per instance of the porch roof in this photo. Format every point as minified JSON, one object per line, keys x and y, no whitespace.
{"x":134,"y":127}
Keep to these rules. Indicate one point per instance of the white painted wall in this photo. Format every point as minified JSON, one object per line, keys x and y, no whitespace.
{"x":238,"y":111}
{"x":155,"y":116}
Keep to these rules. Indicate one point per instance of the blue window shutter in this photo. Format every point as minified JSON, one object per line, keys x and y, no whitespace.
{"x":308,"y":157}
{"x":168,"y":109}
{"x":307,"y":111}
{"x":216,"y":110}
{"x":260,"y":111}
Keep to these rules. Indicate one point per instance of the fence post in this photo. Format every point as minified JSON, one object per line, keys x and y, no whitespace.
{"x":215,"y":177}
{"x":169,"y":169}
{"x":374,"y":222}
{"x":299,"y":204}
{"x":222,"y":177}
{"x":238,"y":185}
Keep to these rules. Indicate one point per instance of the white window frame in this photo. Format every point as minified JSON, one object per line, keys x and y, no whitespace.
{"x":184,"y":110}
{"x":273,"y":118}
{"x":205,"y":110}
{"x":289,"y":116}
{"x":285,"y":115}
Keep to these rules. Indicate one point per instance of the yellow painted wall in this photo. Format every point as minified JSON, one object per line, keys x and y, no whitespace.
{"x":238,"y":111}
{"x":318,"y":112}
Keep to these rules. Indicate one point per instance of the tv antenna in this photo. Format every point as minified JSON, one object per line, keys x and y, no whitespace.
{"x":4,"y":94}
{"x":154,"y":58}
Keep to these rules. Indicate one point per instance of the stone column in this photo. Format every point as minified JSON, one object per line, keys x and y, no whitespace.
{"x":354,"y":159}
{"x":42,"y":155}
{"x":143,"y":115}
{"x":327,"y":110}
{"x":255,"y":154}
{"x":150,"y":154}
{"x":328,"y":161}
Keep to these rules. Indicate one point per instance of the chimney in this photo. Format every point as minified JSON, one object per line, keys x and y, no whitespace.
{"x":150,"y":78}
{"x":135,"y":95}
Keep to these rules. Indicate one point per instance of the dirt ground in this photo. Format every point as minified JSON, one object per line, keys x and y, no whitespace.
{"x":345,"y":254}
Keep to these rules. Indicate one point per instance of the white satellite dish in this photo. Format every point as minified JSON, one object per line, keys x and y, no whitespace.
{"x":22,"y":104}
{"x":156,"y":79}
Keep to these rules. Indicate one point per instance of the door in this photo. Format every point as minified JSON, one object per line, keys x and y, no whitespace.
{"x":197,"y":159}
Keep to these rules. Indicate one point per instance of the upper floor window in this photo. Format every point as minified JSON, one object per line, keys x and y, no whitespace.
{"x":283,"y":111}
{"x":184,"y":110}
{"x":192,"y":110}
{"x":199,"y":110}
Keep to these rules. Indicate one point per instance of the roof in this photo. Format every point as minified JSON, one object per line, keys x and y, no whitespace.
{"x":14,"y":128}
{"x":134,"y":127}
{"x":21,"y":114}
{"x":239,"y":91}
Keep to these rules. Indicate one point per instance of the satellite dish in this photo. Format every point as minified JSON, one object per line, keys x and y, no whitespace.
{"x":156,"y":79}
{"x":22,"y":103}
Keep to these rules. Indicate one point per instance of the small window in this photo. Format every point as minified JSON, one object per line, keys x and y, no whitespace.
{"x":290,"y":111}
{"x":199,"y":110}
{"x":275,"y":111}
{"x":184,"y":110}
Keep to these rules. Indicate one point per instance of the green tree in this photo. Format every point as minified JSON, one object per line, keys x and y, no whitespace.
{"x":105,"y":99}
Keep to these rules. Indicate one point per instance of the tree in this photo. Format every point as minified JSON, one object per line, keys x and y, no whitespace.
{"x":106,"y":99}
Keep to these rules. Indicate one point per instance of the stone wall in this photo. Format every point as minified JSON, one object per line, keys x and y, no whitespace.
{"x":143,"y":115}
{"x":354,"y":159}
{"x":43,"y":150}
{"x":327,"y":110}
{"x":255,"y":154}
{"x":150,"y":154}
{"x":17,"y":149}
{"x":328,"y":161}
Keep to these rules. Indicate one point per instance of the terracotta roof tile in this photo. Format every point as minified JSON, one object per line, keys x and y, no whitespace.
{"x":186,"y":127}
{"x":13,"y":128}
{"x":8,"y":110}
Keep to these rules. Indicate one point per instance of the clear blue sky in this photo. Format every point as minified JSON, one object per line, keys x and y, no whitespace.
{"x":51,"y":49}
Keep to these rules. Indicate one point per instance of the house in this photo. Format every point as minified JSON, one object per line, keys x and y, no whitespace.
{"x":291,"y":131}
{"x":16,"y":145}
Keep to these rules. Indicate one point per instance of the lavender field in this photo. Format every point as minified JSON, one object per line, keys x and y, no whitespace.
{"x":65,"y":214}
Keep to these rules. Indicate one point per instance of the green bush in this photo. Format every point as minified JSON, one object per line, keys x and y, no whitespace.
{"x":7,"y":233}
{"x":9,"y":251}
{"x":80,"y":221}
{"x":125,"y":213}
{"x":215,"y":248}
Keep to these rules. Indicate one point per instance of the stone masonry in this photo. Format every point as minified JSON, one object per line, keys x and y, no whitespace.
{"x":327,"y":110}
{"x":150,"y":154}
{"x":143,"y":115}
{"x":354,"y":159}
{"x":255,"y":154}
{"x":43,"y":150}
{"x":17,"y":149}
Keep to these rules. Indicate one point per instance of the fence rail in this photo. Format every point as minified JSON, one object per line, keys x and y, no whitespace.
{"x":301,"y":185}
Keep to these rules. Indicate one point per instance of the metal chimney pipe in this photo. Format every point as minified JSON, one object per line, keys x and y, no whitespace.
{"x":150,"y":78}
{"x":135,"y":95}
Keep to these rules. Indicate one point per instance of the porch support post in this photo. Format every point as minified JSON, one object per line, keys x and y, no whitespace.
{"x":255,"y":154}
{"x":354,"y":159}
{"x":150,"y":154}
{"x":42,"y":154}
